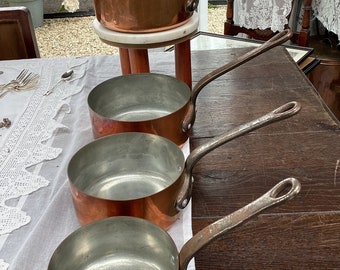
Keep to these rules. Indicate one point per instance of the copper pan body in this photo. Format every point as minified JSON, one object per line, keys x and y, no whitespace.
{"x":150,"y":103}
{"x":156,"y":103}
{"x":144,"y":175}
{"x":143,"y":16}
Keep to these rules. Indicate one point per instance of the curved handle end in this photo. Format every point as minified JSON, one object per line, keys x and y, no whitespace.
{"x":278,"y":191}
{"x":286,"y":110}
{"x":211,"y":232}
{"x":289,"y":108}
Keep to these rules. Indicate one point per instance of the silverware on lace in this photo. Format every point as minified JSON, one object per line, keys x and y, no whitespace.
{"x":64,"y":77}
{"x":17,"y":80}
{"x":27,"y":82}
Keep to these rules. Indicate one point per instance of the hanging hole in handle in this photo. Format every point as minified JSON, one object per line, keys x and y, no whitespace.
{"x":287,"y":187}
{"x":283,"y":190}
{"x":288,"y":108}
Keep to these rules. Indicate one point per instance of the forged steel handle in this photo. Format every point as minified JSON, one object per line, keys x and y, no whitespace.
{"x":273,"y":197}
{"x":271,"y":43}
{"x":287,"y":110}
{"x":191,"y":6}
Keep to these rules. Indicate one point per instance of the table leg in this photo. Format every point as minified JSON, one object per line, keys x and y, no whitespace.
{"x":183,"y":62}
{"x":304,"y":33}
{"x":124,"y":61}
{"x":139,"y":60}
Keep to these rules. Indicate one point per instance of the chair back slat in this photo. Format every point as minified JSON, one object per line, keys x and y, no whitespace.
{"x":17,"y":36}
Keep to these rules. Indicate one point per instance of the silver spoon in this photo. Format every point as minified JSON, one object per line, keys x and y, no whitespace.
{"x":64,"y":77}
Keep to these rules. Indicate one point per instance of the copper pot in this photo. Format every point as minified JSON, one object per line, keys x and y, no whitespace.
{"x":142,"y":16}
{"x":134,"y":243}
{"x":156,"y":103}
{"x":143,"y":175}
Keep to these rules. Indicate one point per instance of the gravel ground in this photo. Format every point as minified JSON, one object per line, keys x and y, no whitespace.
{"x":76,"y":37}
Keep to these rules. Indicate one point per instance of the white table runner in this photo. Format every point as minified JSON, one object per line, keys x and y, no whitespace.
{"x":36,"y":205}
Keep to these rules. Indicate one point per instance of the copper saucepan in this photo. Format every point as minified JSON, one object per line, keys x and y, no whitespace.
{"x":136,"y":16}
{"x":134,"y":243}
{"x":155,"y":103}
{"x":143,"y":175}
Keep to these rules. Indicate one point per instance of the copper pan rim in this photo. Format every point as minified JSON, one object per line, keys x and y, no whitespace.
{"x":143,"y":31}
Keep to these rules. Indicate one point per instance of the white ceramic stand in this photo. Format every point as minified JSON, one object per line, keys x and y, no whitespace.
{"x":133,"y":47}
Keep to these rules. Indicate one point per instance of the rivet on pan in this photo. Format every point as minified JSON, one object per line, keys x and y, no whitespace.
{"x":184,"y":203}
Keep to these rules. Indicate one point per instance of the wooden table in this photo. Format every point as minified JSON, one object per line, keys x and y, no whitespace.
{"x":303,"y":233}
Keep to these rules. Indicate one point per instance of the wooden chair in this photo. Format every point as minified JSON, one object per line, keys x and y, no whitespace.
{"x":300,"y":38}
{"x":17,"y":36}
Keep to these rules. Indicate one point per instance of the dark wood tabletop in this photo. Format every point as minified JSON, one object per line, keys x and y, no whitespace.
{"x":303,"y":233}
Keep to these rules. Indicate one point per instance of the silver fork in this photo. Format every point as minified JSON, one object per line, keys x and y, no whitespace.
{"x":27,"y":82}
{"x":17,"y":80}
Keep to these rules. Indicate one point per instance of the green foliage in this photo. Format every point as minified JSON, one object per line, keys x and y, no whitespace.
{"x":211,"y":5}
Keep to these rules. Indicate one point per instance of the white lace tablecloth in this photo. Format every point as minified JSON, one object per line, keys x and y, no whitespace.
{"x":273,"y":13}
{"x":328,"y":13}
{"x":36,"y":210}
{"x":262,"y":14}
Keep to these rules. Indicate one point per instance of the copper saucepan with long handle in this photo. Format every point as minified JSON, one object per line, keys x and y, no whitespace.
{"x":134,"y":243}
{"x":143,"y":175}
{"x":156,"y":103}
